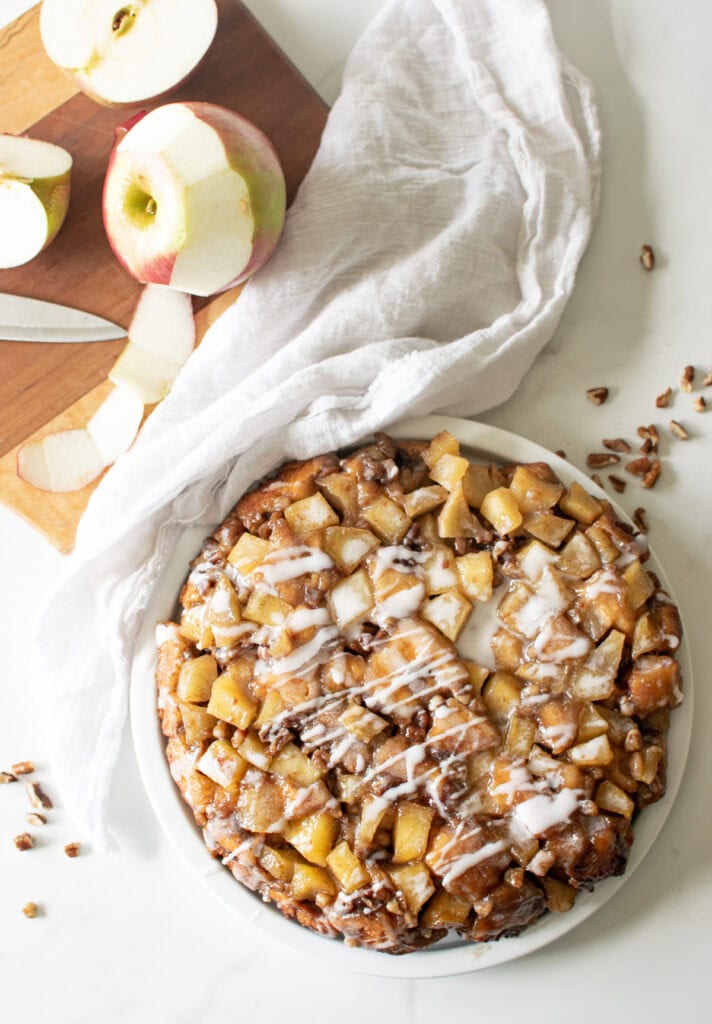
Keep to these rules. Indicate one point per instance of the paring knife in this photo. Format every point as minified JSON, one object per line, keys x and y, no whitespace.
{"x":24,"y":319}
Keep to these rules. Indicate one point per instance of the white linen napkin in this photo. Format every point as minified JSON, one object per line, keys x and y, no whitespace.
{"x":425,"y":262}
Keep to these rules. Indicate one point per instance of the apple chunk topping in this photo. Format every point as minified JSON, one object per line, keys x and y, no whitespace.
{"x":127,"y":54}
{"x":34,"y":196}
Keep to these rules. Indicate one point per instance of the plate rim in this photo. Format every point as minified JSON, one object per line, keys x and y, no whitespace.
{"x":185,"y":836}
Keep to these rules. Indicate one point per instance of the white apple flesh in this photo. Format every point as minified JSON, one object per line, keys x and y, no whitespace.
{"x":194,"y":198}
{"x":71,"y":459}
{"x":35,"y":183}
{"x":161,"y":337}
{"x":128,"y":53}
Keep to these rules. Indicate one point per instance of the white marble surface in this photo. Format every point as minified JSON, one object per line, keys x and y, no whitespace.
{"x":135,"y":938}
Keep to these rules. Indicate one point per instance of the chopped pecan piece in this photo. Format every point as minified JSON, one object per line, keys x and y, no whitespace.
{"x":597,"y":395}
{"x":23,"y":768}
{"x":597,"y":460}
{"x":707,"y":380}
{"x":699,"y":404}
{"x":647,"y":257}
{"x":72,"y":849}
{"x":678,"y":431}
{"x":597,"y":480}
{"x":616,"y":444}
{"x":687,"y":378}
{"x":618,"y":482}
{"x":6,"y":777}
{"x":35,"y":819}
{"x":37,"y":796}
{"x":561,"y":453}
{"x":30,"y":910}
{"x":24,"y":841}
{"x":651,"y":477}
{"x":640,"y":520}
{"x":663,"y":398}
{"x":650,"y":436}
{"x":638,"y":467}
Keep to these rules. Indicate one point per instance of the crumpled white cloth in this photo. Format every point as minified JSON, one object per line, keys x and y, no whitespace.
{"x":425,"y":262}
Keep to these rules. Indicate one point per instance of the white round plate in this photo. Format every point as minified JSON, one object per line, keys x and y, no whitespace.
{"x":452,"y":955}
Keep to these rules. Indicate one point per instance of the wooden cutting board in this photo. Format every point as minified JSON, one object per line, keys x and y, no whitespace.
{"x":44,"y":388}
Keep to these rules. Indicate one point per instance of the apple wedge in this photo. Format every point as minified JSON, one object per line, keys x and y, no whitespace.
{"x":128,"y":53}
{"x":34,"y":195}
{"x":71,"y":459}
{"x":194,"y":198}
{"x":161,"y":337}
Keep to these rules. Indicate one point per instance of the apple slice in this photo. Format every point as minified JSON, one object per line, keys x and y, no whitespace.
{"x":128,"y":53}
{"x":34,"y":196}
{"x":61,"y":462}
{"x":194,"y":198}
{"x":161,"y":337}
{"x":115,"y":423}
{"x":71,"y":459}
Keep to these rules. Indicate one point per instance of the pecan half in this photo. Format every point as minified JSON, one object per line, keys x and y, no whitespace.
{"x":597,"y":395}
{"x":678,"y":430}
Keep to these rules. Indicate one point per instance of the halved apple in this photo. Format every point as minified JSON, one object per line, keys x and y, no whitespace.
{"x":194,"y":198}
{"x":70,"y":459}
{"x":34,"y":196}
{"x":161,"y":337}
{"x":128,"y":53}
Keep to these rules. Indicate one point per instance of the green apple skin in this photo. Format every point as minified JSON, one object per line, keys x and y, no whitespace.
{"x":54,"y":194}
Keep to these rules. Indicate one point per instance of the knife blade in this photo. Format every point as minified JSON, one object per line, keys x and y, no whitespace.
{"x":23,"y":319}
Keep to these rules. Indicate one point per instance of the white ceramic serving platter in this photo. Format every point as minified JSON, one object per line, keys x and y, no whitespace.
{"x":452,"y":955}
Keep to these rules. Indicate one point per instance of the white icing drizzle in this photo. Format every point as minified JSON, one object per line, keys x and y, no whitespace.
{"x":304,"y":658}
{"x":305,"y":618}
{"x":166,"y":631}
{"x":290,"y":563}
{"x":475,"y":639}
{"x":400,"y":605}
{"x":541,"y":812}
{"x":577,"y":646}
{"x":465,"y":861}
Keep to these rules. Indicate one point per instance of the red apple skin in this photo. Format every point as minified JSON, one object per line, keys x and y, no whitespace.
{"x":252,"y":155}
